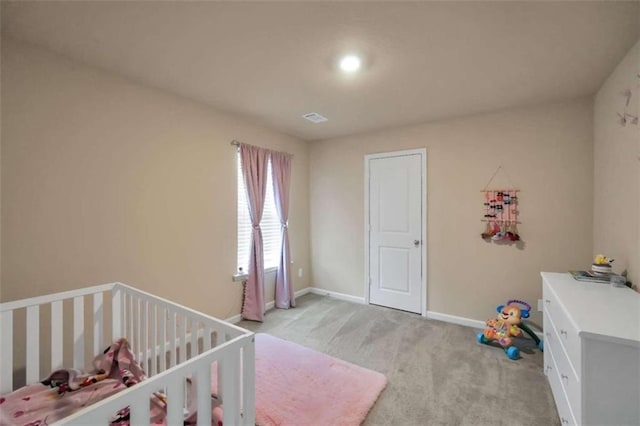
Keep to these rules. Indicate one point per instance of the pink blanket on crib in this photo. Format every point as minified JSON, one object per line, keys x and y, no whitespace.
{"x":67,"y":391}
{"x":39,"y":404}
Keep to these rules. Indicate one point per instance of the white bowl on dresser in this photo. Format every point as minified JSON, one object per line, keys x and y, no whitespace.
{"x":592,"y":350}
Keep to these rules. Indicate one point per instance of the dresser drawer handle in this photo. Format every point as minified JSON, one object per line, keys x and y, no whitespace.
{"x":563,"y":332}
{"x":547,"y":301}
{"x":549,"y":368}
{"x":547,"y":334}
{"x":564,"y":420}
{"x":565,"y":377}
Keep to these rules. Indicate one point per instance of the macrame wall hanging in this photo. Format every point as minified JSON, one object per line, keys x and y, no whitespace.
{"x":501,"y":212}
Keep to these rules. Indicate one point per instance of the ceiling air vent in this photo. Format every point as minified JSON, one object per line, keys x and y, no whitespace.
{"x":314,"y":117}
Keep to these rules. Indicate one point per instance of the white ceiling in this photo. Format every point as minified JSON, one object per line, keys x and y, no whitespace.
{"x":274,"y":61}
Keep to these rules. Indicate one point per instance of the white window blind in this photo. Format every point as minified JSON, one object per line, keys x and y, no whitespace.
{"x":270,"y":225}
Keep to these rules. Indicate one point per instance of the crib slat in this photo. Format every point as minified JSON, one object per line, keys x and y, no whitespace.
{"x":144,"y":339}
{"x":162,"y":317}
{"x":194,"y":338}
{"x":218,"y":335}
{"x":124,"y":326}
{"x":135,"y":340}
{"x":56,"y":335}
{"x":116,"y":314}
{"x":230,"y":388}
{"x":206,"y":338}
{"x":175,"y":403}
{"x":183,"y":338}
{"x":130,"y":319}
{"x":78,"y":332}
{"x":248,"y":382}
{"x":6,"y":366}
{"x":139,"y":409}
{"x":33,"y":344}
{"x":97,"y":323}
{"x":153,"y":367}
{"x":172,"y":338}
{"x":203,"y":383}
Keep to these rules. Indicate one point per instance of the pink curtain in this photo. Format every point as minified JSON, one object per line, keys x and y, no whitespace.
{"x":254,"y":172}
{"x":281,"y":174}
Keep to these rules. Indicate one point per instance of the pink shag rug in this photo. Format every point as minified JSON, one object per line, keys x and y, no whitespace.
{"x":296,"y":385}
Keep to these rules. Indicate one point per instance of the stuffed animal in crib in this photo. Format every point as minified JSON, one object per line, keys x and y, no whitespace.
{"x":505,"y":325}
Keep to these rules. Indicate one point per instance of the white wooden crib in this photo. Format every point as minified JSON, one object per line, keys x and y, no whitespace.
{"x":171,"y":342}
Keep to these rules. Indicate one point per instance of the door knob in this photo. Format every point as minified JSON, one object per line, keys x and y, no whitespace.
{"x":416,"y":243}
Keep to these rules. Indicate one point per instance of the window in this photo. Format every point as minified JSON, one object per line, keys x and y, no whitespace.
{"x":270,"y":225}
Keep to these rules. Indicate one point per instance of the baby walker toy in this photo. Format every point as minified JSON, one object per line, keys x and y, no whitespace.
{"x":507,"y":324}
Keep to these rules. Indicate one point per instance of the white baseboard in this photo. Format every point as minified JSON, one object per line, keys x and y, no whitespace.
{"x":467,"y":322}
{"x":453,"y":319}
{"x":234,"y":319}
{"x":336,"y":295}
{"x":270,"y":305}
{"x":303,"y":291}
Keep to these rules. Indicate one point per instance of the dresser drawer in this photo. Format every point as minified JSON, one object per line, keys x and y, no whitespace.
{"x":567,"y":333}
{"x":568,"y":379}
{"x":562,"y":405}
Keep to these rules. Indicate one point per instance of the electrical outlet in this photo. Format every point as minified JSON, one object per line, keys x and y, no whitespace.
{"x":299,"y":272}
{"x":540,"y":305}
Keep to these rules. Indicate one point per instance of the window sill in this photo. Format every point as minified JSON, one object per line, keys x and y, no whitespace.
{"x":243,"y":277}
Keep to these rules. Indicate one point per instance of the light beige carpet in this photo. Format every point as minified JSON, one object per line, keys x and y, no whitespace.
{"x":437,"y":373}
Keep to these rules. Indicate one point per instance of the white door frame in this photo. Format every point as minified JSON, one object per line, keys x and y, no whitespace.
{"x":423,"y":153}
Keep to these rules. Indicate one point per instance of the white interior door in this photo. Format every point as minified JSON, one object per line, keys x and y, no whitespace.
{"x":396,"y":220}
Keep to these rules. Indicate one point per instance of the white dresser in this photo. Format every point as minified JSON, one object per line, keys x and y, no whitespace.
{"x":592,"y":350}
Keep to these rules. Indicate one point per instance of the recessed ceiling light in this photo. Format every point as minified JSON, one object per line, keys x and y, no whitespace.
{"x":350,"y":63}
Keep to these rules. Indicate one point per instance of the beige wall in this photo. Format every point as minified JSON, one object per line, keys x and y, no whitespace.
{"x":616,"y":232}
{"x":0,"y":165}
{"x":106,"y":180}
{"x":547,"y":151}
